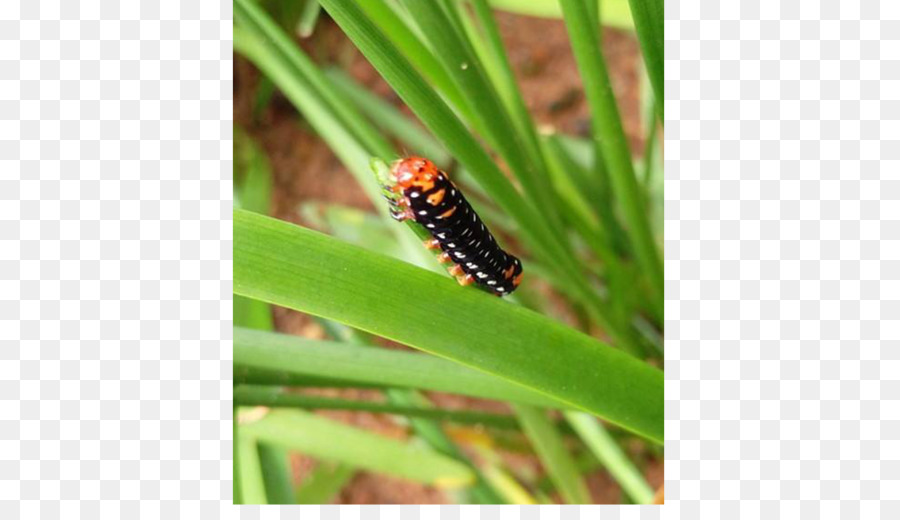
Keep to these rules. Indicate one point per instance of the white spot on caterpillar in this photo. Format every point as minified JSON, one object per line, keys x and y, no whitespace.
{"x":429,"y":226}
{"x":501,"y":289}
{"x":452,"y":192}
{"x":492,"y":282}
{"x":441,"y":235}
{"x":481,"y":275}
{"x":451,"y":245}
{"x":414,"y":195}
{"x":423,"y":212}
{"x":459,"y":255}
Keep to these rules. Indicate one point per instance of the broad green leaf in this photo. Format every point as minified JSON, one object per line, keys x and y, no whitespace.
{"x":553,"y":454}
{"x":355,"y":365}
{"x":304,"y":270}
{"x":605,"y":448}
{"x":333,"y":441}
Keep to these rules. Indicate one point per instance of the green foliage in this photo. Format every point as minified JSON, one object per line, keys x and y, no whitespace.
{"x":300,"y":269}
{"x":605,"y":448}
{"x":584,"y":224}
{"x":324,"y":483}
{"x":550,"y":448}
{"x":334,"y":441}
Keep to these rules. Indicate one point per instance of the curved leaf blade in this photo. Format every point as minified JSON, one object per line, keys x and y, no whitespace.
{"x":304,"y":270}
{"x":355,"y":365}
{"x":320,"y":437}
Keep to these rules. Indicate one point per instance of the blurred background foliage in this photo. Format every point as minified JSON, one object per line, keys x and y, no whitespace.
{"x":546,"y":113}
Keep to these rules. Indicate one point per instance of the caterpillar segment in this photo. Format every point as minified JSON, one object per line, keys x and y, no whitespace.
{"x":425,"y":194}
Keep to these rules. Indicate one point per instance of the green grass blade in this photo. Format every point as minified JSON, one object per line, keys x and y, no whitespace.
{"x":435,"y":114}
{"x":648,"y":20}
{"x":614,"y":13}
{"x":324,"y":483}
{"x":431,"y":431}
{"x":298,"y":268}
{"x":447,"y":38}
{"x":605,"y":448}
{"x":611,"y":138}
{"x":330,"y":440}
{"x":258,"y":40}
{"x":507,"y":85}
{"x":253,"y":192}
{"x":389,"y":118}
{"x":301,"y":94}
{"x":276,"y":474}
{"x":253,"y":487}
{"x":253,"y":19}
{"x":278,"y":398}
{"x":411,"y":87}
{"x":252,"y":174}
{"x":417,"y":52}
{"x":553,"y":454}
{"x":507,"y":486}
{"x":248,"y":375}
{"x":309,"y":16}
{"x":356,"y":364}
{"x":236,"y":495}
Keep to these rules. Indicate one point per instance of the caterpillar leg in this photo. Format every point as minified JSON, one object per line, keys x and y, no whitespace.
{"x":400,"y":214}
{"x":432,"y":244}
{"x":456,"y":270}
{"x":466,"y":279}
{"x":443,"y":258}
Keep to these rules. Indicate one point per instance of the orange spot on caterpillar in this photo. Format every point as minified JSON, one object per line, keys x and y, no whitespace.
{"x":435,"y":198}
{"x":518,"y":279}
{"x":448,"y":212}
{"x":507,"y":273}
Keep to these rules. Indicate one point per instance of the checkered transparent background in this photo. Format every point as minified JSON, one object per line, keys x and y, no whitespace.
{"x":783,"y":170}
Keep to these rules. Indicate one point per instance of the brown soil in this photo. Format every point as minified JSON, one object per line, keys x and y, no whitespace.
{"x":305,"y":169}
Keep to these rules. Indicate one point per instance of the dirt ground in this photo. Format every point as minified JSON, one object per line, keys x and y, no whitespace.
{"x":304,"y":169}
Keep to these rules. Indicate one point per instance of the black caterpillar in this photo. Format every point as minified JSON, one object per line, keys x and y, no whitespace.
{"x":425,"y":194}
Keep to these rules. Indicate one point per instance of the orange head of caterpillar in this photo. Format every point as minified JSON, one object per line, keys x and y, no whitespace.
{"x":415,"y":172}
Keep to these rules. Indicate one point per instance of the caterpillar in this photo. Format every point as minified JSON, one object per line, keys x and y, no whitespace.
{"x":419,"y":191}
